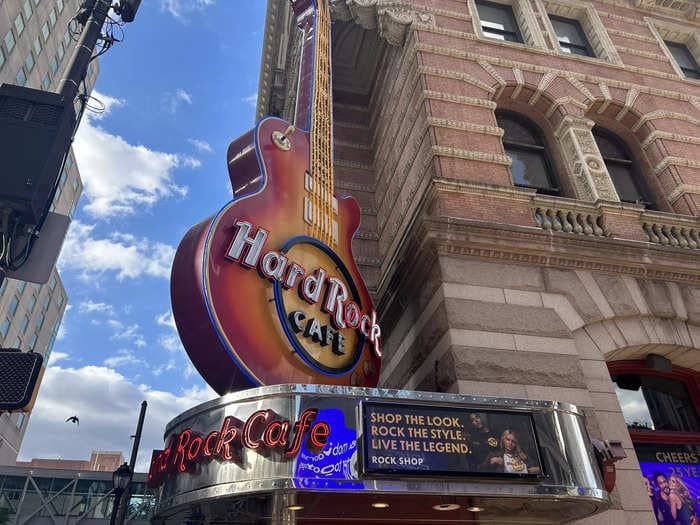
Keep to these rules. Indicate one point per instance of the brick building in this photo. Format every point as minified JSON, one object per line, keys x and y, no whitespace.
{"x":530,"y":186}
{"x":35,"y":50}
{"x":100,"y":461}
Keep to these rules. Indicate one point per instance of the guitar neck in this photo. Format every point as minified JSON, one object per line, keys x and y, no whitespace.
{"x":314,"y":111}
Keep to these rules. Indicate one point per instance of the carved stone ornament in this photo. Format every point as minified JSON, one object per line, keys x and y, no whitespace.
{"x":391,"y":18}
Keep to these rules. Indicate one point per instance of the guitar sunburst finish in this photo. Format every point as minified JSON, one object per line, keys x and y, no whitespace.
{"x":267,"y":291}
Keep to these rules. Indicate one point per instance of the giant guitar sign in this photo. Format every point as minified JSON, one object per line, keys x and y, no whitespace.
{"x":267,"y":291}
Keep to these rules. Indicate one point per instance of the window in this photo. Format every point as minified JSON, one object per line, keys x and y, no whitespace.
{"x":47,"y":301}
{"x":76,"y":184}
{"x":17,"y":343}
{"x":27,"y":9}
{"x":52,"y":17}
{"x":59,"y":300}
{"x":45,"y":31}
{"x":9,"y":41}
{"x":2,"y":58}
{"x":23,"y":325}
{"x":32,"y":341}
{"x":46,"y":81}
{"x":69,"y":161}
{"x":31,"y":304}
{"x":20,"y":286}
{"x":21,"y":78}
{"x":523,"y":143}
{"x":37,"y":46}
{"x":52,"y":284}
{"x":59,"y":4}
{"x":3,"y":285}
{"x":36,"y":2}
{"x":60,"y":52}
{"x":66,"y":38}
{"x":5,"y":326}
{"x":29,"y":62}
{"x":71,"y":210}
{"x":19,"y":24}
{"x":684,"y":59}
{"x":39,"y":321}
{"x":53,"y":65}
{"x":57,"y":195}
{"x":623,"y":173}
{"x":63,"y":178}
{"x":498,"y":21}
{"x":658,"y":406}
{"x":13,"y":305}
{"x":571,"y":36}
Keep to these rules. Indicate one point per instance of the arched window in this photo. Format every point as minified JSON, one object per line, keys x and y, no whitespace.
{"x":524,"y":145}
{"x":618,"y":161}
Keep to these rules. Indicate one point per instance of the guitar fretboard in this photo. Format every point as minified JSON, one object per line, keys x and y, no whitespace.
{"x":320,"y":205}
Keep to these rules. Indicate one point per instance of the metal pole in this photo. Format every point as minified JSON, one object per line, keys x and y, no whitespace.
{"x":115,"y":506}
{"x":124,"y":500}
{"x":93,"y":13}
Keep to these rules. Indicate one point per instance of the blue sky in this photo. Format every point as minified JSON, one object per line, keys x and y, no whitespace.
{"x":180,"y":87}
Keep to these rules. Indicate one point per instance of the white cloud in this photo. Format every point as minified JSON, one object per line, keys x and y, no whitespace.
{"x":87,"y":307}
{"x":128,"y":333}
{"x":108,"y":405}
{"x":123,"y":357}
{"x":172,"y":100}
{"x":201,"y":145}
{"x":251,"y":100}
{"x":190,"y":162}
{"x":57,"y":356}
{"x":121,"y":178}
{"x":166,"y":319}
{"x":181,"y":8}
{"x":122,"y":254}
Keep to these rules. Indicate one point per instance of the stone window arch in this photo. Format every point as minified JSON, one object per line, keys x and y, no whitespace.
{"x":531,"y":164}
{"x":622,"y":168}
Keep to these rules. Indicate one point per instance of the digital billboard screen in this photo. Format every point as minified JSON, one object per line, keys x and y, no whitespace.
{"x":442,"y":440}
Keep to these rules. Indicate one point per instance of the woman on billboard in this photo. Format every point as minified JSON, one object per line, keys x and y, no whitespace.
{"x":511,"y":458}
{"x":681,"y":502}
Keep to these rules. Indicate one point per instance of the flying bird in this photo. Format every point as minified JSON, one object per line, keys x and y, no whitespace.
{"x":73,"y":419}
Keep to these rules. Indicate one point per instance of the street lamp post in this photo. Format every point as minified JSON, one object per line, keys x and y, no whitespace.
{"x":121,"y":479}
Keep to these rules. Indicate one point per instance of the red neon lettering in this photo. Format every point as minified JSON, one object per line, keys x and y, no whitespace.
{"x":178,"y":459}
{"x":319,"y":434}
{"x":247,"y":437}
{"x":229,"y":433}
{"x":300,"y":427}
{"x":207,"y":443}
{"x":194,"y":449}
{"x":275,"y":434}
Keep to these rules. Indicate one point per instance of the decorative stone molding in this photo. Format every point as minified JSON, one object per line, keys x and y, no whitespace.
{"x":591,"y":23}
{"x":680,"y":8}
{"x":683,"y":189}
{"x":668,"y":230}
{"x":591,"y":179}
{"x":391,"y":18}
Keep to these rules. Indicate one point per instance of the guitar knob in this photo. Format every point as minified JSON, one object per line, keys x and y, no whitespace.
{"x":280,"y":140}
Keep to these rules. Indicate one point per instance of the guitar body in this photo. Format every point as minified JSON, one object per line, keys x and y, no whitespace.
{"x":243,"y":327}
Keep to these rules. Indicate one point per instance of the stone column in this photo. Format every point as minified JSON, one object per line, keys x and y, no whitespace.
{"x":591,"y":180}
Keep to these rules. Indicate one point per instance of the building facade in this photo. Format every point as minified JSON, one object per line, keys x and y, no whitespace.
{"x":100,"y":461}
{"x":43,"y":496}
{"x":35,"y":50}
{"x":529,"y":178}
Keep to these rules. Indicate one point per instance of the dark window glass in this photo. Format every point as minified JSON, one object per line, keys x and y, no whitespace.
{"x":618,"y":161}
{"x":652,"y":402}
{"x":498,"y":21}
{"x":684,"y":59}
{"x":523,"y":144}
{"x":571,"y":37}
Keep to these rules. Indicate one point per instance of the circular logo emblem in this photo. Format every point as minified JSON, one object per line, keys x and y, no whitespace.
{"x":492,"y":442}
{"x":322,"y":322}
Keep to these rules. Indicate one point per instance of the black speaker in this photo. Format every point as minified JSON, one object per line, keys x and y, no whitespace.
{"x":20,"y":376}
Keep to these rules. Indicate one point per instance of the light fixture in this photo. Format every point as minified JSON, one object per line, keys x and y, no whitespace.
{"x":447,"y":506}
{"x":475,"y":509}
{"x":295,"y":507}
{"x":380,"y":505}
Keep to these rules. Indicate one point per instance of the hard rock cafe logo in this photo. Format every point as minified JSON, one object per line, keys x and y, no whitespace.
{"x":302,"y":265}
{"x":262,"y":431}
